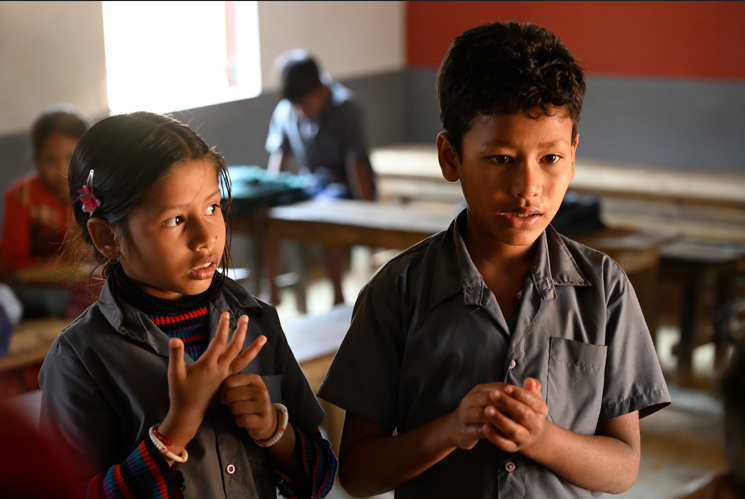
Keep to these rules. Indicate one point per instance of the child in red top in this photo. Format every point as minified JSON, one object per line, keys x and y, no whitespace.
{"x":36,"y":205}
{"x":36,"y":214}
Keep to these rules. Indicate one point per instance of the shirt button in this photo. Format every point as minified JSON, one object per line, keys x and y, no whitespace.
{"x":509,"y":466}
{"x":230,"y":469}
{"x":512,"y":364}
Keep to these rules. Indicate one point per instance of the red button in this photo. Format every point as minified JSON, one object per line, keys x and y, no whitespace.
{"x":230,"y":469}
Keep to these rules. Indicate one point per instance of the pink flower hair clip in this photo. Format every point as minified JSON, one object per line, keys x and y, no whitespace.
{"x":90,"y":203}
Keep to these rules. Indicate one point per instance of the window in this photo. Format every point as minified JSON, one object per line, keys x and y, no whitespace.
{"x":170,"y":56}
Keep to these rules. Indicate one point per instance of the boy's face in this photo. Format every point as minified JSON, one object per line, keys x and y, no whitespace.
{"x":514,"y":171}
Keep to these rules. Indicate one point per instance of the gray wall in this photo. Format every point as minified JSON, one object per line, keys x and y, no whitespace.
{"x":672,"y":124}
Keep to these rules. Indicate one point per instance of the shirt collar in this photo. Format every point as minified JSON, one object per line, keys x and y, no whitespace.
{"x":134,"y":324}
{"x":553,"y":265}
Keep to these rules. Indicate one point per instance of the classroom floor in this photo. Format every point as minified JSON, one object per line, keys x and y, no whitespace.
{"x":680,"y":444}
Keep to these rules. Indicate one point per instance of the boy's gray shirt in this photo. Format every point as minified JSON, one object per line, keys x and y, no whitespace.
{"x":104,"y":384}
{"x":425,"y":330}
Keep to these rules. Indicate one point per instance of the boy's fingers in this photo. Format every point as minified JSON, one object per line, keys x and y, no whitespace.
{"x":533,"y":386}
{"x":497,"y":438}
{"x":249,"y":354}
{"x":508,"y":427}
{"x":175,"y":358}
{"x":217,"y":344}
{"x":530,"y":399}
{"x":515,"y":409}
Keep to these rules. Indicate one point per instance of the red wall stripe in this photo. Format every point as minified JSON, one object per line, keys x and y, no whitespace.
{"x":663,"y":39}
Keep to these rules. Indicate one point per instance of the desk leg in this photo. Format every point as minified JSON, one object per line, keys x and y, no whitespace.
{"x":646,"y":286}
{"x":258,"y":218}
{"x":725,"y":292}
{"x":688,"y":323}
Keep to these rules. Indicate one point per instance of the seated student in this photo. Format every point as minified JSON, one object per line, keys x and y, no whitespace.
{"x":510,"y":361}
{"x":318,"y":122}
{"x":148,"y":368}
{"x":36,"y":213}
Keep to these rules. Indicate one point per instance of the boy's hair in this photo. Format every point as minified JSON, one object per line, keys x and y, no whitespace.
{"x":506,"y":68}
{"x":299,"y":74}
{"x":128,"y":154}
{"x":62,"y":118}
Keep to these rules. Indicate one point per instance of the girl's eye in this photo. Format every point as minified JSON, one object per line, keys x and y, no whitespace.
{"x":552,"y":158}
{"x":174,"y":221}
{"x":501,"y":159}
{"x":212,"y":209}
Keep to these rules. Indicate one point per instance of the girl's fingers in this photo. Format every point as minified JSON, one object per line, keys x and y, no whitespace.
{"x":236,"y":342}
{"x":176,"y":366}
{"x":249,"y":354}
{"x":217,"y":344}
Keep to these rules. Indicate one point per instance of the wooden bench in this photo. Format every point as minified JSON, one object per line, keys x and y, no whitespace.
{"x":314,"y":341}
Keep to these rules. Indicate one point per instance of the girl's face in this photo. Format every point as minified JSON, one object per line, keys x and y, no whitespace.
{"x":53,"y":161}
{"x":175,"y":238}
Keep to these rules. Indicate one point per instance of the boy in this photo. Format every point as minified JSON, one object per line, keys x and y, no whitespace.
{"x":510,"y":361}
{"x":318,"y":122}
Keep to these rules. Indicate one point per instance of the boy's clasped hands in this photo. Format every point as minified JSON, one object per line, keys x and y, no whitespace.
{"x":191,"y":388}
{"x":510,"y":417}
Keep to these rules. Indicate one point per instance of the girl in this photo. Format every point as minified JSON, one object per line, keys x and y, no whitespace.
{"x":174,"y":353}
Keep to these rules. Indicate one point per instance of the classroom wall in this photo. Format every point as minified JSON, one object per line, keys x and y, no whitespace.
{"x":665,"y":80}
{"x":50,"y":52}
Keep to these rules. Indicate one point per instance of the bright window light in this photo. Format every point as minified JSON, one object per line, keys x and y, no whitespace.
{"x":171,"y":56}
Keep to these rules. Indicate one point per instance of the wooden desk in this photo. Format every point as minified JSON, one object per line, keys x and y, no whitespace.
{"x":709,"y":205}
{"x":30,"y":342}
{"x":348,"y":222}
{"x":314,"y":341}
{"x":400,"y":226}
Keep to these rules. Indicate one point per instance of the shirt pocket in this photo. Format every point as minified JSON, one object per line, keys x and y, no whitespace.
{"x":274,"y":386}
{"x":576,"y":375}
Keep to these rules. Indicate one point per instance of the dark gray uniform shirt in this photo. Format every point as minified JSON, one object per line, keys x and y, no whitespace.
{"x":104,"y":384}
{"x":327,"y":141}
{"x":426,"y":329}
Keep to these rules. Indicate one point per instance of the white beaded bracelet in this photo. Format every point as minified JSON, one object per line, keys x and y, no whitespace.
{"x":281,"y":431}
{"x":164,"y":450}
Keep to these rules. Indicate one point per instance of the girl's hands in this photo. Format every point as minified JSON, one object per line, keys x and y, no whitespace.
{"x":465,"y":424}
{"x":248,"y":398}
{"x":516,"y":416}
{"x":191,"y":388}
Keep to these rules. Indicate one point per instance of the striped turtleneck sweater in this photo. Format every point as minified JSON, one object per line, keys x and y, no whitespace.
{"x":186,"y":318}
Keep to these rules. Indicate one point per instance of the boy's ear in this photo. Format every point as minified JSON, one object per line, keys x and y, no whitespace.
{"x":103,"y":236}
{"x":574,"y":155}
{"x":448,"y":158}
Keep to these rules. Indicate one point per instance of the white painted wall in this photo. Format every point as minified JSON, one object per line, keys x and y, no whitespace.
{"x":348,"y":38}
{"x":50,"y":52}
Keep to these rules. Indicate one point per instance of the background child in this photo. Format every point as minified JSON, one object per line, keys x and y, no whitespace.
{"x":511,"y":361}
{"x":318,"y":123}
{"x":152,"y":351}
{"x":36,"y":213}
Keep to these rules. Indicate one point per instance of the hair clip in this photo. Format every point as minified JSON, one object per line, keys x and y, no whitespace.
{"x":90,"y":203}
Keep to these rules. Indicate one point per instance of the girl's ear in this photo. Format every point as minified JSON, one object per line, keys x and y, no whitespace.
{"x":448,"y":158}
{"x":103,"y":236}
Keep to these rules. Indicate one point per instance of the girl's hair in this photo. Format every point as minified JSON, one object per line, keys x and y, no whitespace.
{"x":128,"y":154}
{"x":62,"y":118}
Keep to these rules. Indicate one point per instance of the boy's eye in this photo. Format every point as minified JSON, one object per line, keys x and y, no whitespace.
{"x":501,"y":159}
{"x":174,"y":221}
{"x":212,"y":209}
{"x":552,"y":158}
